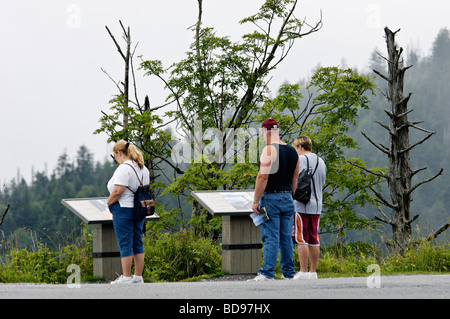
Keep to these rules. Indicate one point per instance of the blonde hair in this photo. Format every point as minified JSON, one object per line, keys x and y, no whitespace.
{"x":304,"y":141}
{"x":131,"y":151}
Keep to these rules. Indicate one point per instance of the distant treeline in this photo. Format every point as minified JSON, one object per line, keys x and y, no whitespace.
{"x":36,"y":211}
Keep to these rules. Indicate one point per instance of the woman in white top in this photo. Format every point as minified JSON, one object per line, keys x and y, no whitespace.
{"x":121,"y":204}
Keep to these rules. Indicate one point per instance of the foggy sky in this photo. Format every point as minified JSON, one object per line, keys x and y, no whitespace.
{"x":52,"y":90}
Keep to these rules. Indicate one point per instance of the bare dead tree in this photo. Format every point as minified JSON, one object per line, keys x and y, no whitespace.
{"x":400,"y":174}
{"x":126,"y":56}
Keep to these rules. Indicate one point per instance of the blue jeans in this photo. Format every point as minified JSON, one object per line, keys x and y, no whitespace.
{"x":128,"y":231}
{"x":276,"y":234}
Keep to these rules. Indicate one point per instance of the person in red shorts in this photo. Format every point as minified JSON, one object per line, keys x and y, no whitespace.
{"x":307,"y":216}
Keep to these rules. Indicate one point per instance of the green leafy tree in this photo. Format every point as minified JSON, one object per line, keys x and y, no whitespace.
{"x":221,"y":87}
{"x":333,"y":99}
{"x":221,"y":84}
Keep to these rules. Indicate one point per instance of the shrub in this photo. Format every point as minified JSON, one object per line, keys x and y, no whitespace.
{"x":45,"y":266}
{"x":426,"y":257}
{"x":174,"y":257}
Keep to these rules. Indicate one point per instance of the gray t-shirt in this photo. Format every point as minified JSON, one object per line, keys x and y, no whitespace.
{"x":315,"y":204}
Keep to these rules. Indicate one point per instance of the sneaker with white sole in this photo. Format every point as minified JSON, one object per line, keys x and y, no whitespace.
{"x":301,"y":276}
{"x":137,"y":280}
{"x":122,"y":280}
{"x":260,"y":277}
{"x":313,"y":275}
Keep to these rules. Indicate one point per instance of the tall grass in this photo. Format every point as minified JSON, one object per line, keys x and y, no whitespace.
{"x":171,"y":257}
{"x":427,"y":257}
{"x":41,"y":265}
{"x":354,"y":258}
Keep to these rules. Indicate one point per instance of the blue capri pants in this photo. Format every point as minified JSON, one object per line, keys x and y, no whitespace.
{"x":128,"y":231}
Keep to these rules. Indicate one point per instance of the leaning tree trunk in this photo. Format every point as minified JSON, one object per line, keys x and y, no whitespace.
{"x":4,"y":214}
{"x":400,"y":174}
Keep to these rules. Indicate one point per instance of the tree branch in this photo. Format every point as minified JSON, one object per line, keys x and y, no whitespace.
{"x":420,"y":128}
{"x":115,"y":42}
{"x":440,"y":231}
{"x":402,"y":114}
{"x":404,"y":100}
{"x":312,"y":29}
{"x":4,"y":214}
{"x":409,"y":222}
{"x":383,"y":76}
{"x":414,"y":145}
{"x":176,"y":168}
{"x":385,"y":127}
{"x":386,"y":220}
{"x":425,"y":181}
{"x":116,"y":84}
{"x":379,"y":174}
{"x":383,"y":200}
{"x":417,"y":171}
{"x":383,"y":148}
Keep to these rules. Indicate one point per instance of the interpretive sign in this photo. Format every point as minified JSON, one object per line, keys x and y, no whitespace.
{"x":93,"y":210}
{"x":241,"y":239}
{"x":225,"y":203}
{"x":105,"y":252}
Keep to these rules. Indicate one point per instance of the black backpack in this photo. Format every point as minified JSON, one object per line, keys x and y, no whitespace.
{"x":303,"y":191}
{"x":144,"y":205}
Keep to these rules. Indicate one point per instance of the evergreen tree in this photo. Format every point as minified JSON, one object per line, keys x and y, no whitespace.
{"x":37,"y":207}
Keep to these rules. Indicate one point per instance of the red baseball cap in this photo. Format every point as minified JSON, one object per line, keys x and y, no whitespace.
{"x":269,"y":124}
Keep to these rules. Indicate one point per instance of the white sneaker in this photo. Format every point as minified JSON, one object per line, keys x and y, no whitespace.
{"x":122,"y":280}
{"x":137,"y":280}
{"x":313,"y":275}
{"x":285,"y":278}
{"x":302,"y":276}
{"x":260,"y":277}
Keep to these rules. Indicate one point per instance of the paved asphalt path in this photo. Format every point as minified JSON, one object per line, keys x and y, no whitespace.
{"x":390,"y":287}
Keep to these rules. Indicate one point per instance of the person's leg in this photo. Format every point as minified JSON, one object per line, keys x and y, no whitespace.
{"x":303,"y":256}
{"x":314,"y":247}
{"x":138,"y":248}
{"x":286,"y":244}
{"x":270,"y":239}
{"x":126,"y":265}
{"x":270,"y":233}
{"x":123,"y":229}
{"x":314,"y":252}
{"x":303,"y":250}
{"x":139,"y":264}
{"x":301,"y":244}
